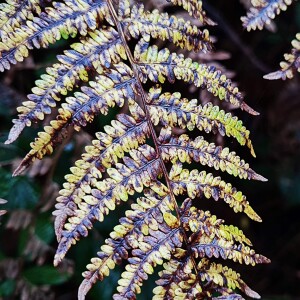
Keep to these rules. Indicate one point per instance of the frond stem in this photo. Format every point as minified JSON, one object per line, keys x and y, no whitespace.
{"x":148,"y":117}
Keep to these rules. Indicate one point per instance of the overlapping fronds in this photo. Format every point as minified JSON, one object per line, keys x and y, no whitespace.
{"x":209,"y":239}
{"x":178,"y":279}
{"x":110,"y":89}
{"x":138,"y":221}
{"x":262,"y":12}
{"x":129,"y":177}
{"x":181,"y":278}
{"x":291,"y":65}
{"x":120,"y":164}
{"x":124,"y":134}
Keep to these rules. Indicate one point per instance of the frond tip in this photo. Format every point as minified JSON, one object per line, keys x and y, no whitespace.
{"x":262,"y":12}
{"x":291,"y":65}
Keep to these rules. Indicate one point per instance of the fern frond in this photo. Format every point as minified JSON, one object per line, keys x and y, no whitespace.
{"x":170,"y":109}
{"x":124,"y":134}
{"x":62,"y":20}
{"x":109,"y":89}
{"x":138,"y":221}
{"x":101,"y":49}
{"x":126,"y":179}
{"x":120,"y":163}
{"x":262,"y":12}
{"x":195,"y":184}
{"x":162,"y":26}
{"x":291,"y":65}
{"x":184,"y":149}
{"x":157,"y":65}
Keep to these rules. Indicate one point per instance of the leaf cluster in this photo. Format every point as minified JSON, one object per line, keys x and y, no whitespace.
{"x":141,"y":156}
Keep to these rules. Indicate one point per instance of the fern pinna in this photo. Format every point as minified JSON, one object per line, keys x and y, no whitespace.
{"x":133,"y":154}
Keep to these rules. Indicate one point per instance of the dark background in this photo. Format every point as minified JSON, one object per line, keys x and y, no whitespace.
{"x":27,"y":238}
